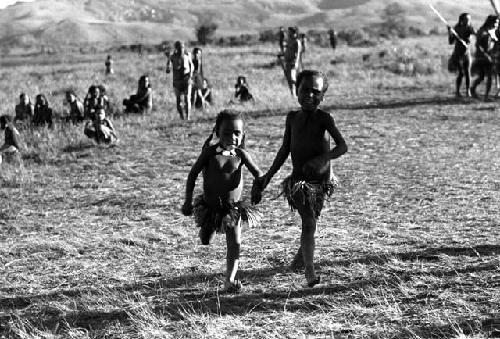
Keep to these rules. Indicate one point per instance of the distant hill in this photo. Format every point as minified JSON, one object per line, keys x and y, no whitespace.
{"x":113,"y":22}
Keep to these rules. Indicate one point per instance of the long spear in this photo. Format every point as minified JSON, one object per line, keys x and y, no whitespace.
{"x":494,"y":3}
{"x":451,"y":28}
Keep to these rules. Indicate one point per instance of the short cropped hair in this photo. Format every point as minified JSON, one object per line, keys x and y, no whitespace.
{"x":312,"y":73}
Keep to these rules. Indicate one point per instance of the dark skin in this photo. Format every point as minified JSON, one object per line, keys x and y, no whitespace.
{"x":307,"y":139}
{"x":223,"y":182}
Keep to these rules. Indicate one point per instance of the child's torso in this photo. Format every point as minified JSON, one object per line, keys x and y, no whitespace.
{"x":222,"y":178}
{"x":308,"y":139}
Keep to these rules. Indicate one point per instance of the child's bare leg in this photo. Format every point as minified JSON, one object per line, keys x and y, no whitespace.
{"x":233,"y":242}
{"x":178,"y":100}
{"x":187,"y":102}
{"x":308,"y":243}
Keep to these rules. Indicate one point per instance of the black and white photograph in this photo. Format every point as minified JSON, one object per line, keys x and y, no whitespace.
{"x":249,"y":169}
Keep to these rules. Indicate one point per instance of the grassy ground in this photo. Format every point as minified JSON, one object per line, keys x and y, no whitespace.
{"x":92,"y":243}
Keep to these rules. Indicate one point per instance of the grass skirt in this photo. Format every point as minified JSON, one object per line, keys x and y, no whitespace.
{"x":308,"y":193}
{"x":225,"y":217}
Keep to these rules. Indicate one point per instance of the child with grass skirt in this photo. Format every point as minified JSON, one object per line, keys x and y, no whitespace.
{"x":307,"y":138}
{"x":220,"y":208}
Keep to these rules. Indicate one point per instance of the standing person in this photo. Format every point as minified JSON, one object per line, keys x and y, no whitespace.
{"x":291,"y":59}
{"x":109,"y":65}
{"x":460,"y":59}
{"x":43,"y":113}
{"x":282,"y":40}
{"x":483,"y":62}
{"x":12,"y":144}
{"x":307,"y":138}
{"x":142,"y":101}
{"x":220,"y":208}
{"x":197,"y":74}
{"x":24,"y":110}
{"x":182,"y":78}
{"x":100,"y":129}
{"x":332,"y":35}
{"x":303,"y":43}
{"x":76,"y":109}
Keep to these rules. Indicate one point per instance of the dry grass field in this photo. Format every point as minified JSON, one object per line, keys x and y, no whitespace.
{"x":93,"y":245}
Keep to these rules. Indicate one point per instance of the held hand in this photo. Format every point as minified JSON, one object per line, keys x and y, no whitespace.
{"x":187,"y":208}
{"x":263,"y":181}
{"x":256,"y":192}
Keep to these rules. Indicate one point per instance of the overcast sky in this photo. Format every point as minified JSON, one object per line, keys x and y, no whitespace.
{"x":5,"y":3}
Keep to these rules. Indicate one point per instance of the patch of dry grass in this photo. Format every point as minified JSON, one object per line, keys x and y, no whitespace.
{"x":93,"y":245}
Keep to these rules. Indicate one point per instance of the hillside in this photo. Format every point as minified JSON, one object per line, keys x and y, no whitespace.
{"x":56,"y":22}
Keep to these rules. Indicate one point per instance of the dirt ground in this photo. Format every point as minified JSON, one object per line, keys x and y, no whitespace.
{"x":93,"y":244}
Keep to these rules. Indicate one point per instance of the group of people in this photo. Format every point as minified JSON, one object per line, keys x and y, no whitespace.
{"x":38,"y":114}
{"x":221,"y":209}
{"x":486,"y":61}
{"x":191,"y":88}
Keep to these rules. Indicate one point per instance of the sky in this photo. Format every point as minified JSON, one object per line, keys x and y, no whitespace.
{"x":5,"y":3}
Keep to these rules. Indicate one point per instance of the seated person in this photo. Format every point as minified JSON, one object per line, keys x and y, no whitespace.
{"x":92,"y":101}
{"x":12,"y":144}
{"x":241,"y":90}
{"x":76,"y":109}
{"x":142,"y":101}
{"x":203,"y":95}
{"x":43,"y":113}
{"x":25,"y":109}
{"x":104,"y":98}
{"x":101,"y":129}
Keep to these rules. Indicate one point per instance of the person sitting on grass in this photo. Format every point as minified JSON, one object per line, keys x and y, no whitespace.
{"x":12,"y":145}
{"x":142,"y":101}
{"x":92,"y":101}
{"x":43,"y":113}
{"x":220,"y":208}
{"x":101,"y":129}
{"x":203,"y":95}
{"x":307,"y":138}
{"x":76,"y":109}
{"x":24,"y":110}
{"x":241,"y":89}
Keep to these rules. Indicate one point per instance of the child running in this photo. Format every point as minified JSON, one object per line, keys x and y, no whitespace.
{"x":220,"y":208}
{"x":307,"y":137}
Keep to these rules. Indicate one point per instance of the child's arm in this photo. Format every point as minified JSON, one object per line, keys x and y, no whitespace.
{"x":281,"y":156}
{"x":249,"y":163}
{"x":256,"y":191}
{"x":339,"y":149}
{"x":168,"y":62}
{"x":187,"y":207}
